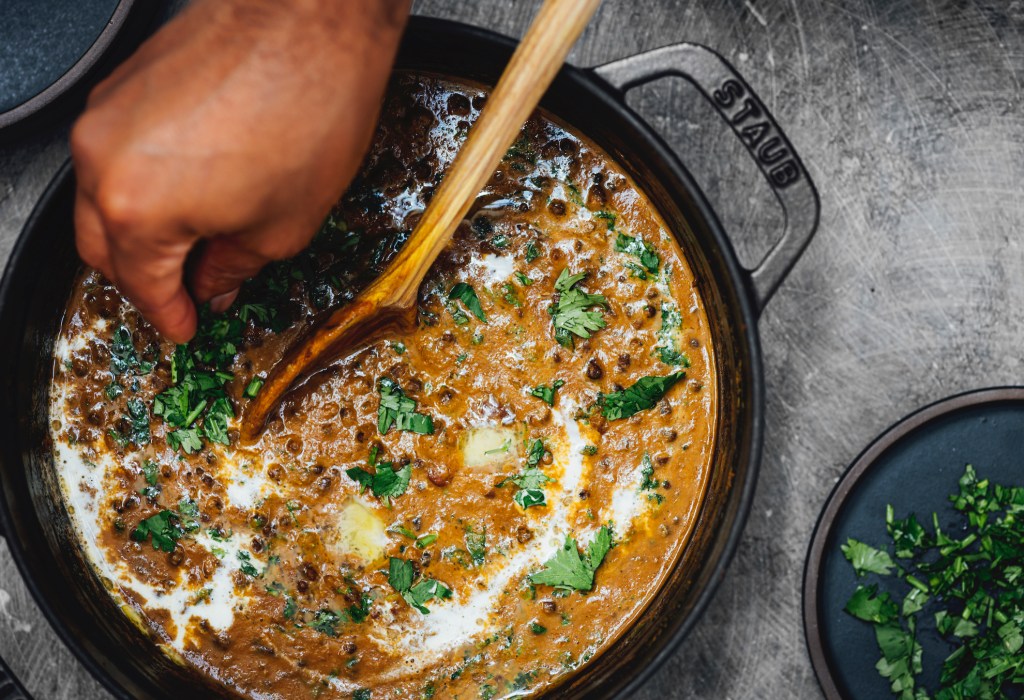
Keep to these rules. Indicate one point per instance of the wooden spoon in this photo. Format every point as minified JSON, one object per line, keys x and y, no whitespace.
{"x":388,"y":304}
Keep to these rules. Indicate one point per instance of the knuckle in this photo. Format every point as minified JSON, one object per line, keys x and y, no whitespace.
{"x":120,"y":201}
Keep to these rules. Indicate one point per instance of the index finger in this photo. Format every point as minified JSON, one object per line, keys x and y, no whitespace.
{"x":148,"y":268}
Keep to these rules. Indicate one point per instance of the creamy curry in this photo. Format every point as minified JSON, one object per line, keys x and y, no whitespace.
{"x":475,"y":509}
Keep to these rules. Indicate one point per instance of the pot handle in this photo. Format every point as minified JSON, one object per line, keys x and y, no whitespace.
{"x":743,"y":110}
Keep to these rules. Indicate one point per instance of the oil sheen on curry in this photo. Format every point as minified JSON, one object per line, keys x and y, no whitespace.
{"x":473,"y":510}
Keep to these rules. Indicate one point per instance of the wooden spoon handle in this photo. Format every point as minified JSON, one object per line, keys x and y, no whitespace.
{"x":527,"y":76}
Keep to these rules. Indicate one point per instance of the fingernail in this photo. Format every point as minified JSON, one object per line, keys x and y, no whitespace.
{"x":220,"y":303}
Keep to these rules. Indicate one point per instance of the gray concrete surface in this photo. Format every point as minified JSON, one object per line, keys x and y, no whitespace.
{"x":908,"y":114}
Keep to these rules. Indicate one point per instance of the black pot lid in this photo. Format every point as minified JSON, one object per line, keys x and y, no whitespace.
{"x":48,"y":47}
{"x":914,"y":466}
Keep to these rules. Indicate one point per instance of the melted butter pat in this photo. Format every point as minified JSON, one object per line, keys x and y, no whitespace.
{"x":360,"y":532}
{"x":487,"y":447}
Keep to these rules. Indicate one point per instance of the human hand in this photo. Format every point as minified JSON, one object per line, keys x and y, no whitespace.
{"x":238,"y":124}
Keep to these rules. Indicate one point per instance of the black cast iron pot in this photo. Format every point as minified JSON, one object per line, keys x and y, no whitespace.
{"x":43,"y":264}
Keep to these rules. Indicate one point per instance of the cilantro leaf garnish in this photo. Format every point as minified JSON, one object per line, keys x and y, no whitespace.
{"x":385,"y":483}
{"x":476,"y":544}
{"x":547,"y":393}
{"x":138,"y":422}
{"x":467,"y":295}
{"x":399,"y":410}
{"x":162,"y":528}
{"x":530,"y":482}
{"x":246,"y":566}
{"x":326,"y":622}
{"x":254,"y":386}
{"x":401,"y":576}
{"x":570,"y":315}
{"x":188,"y":441}
{"x":608,"y":217}
{"x":189,"y":511}
{"x":123,"y":357}
{"x":151,"y":471}
{"x":570,"y":571}
{"x":641,"y":396}
{"x":637,"y":246}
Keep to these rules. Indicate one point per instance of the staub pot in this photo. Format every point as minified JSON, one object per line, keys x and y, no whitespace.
{"x":43,"y":265}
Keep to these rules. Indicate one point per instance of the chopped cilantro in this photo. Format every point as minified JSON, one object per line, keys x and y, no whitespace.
{"x":608,"y":217}
{"x":636,"y":271}
{"x":189,"y":511}
{"x":326,"y":622}
{"x":500,"y":449}
{"x":569,"y":314}
{"x":547,"y":393}
{"x":466,"y":294}
{"x":425,"y":541}
{"x":647,"y":480}
{"x":671,"y":356}
{"x":967,"y":579}
{"x":643,"y":395}
{"x":162,"y":528}
{"x":399,"y":410}
{"x":138,"y":422}
{"x":123,"y":357}
{"x":866,"y":559}
{"x":637,"y":246}
{"x":530,"y":482}
{"x":523,"y":279}
{"x":866,"y":604}
{"x":253,"y":387}
{"x":290,"y":607}
{"x":510,"y":296}
{"x":151,"y":471}
{"x":385,"y":483}
{"x":246,"y":565}
{"x":532,"y":252}
{"x":187,"y":441}
{"x":199,"y":393}
{"x":401,"y":576}
{"x":476,"y":545}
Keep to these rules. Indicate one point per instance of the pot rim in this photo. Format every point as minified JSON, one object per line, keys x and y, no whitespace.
{"x":606,"y":97}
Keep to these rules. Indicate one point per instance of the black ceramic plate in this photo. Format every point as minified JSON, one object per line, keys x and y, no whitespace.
{"x":48,"y":47}
{"x":914,"y":466}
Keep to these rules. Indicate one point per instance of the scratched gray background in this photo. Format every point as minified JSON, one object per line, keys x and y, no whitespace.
{"x":908,"y":114}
